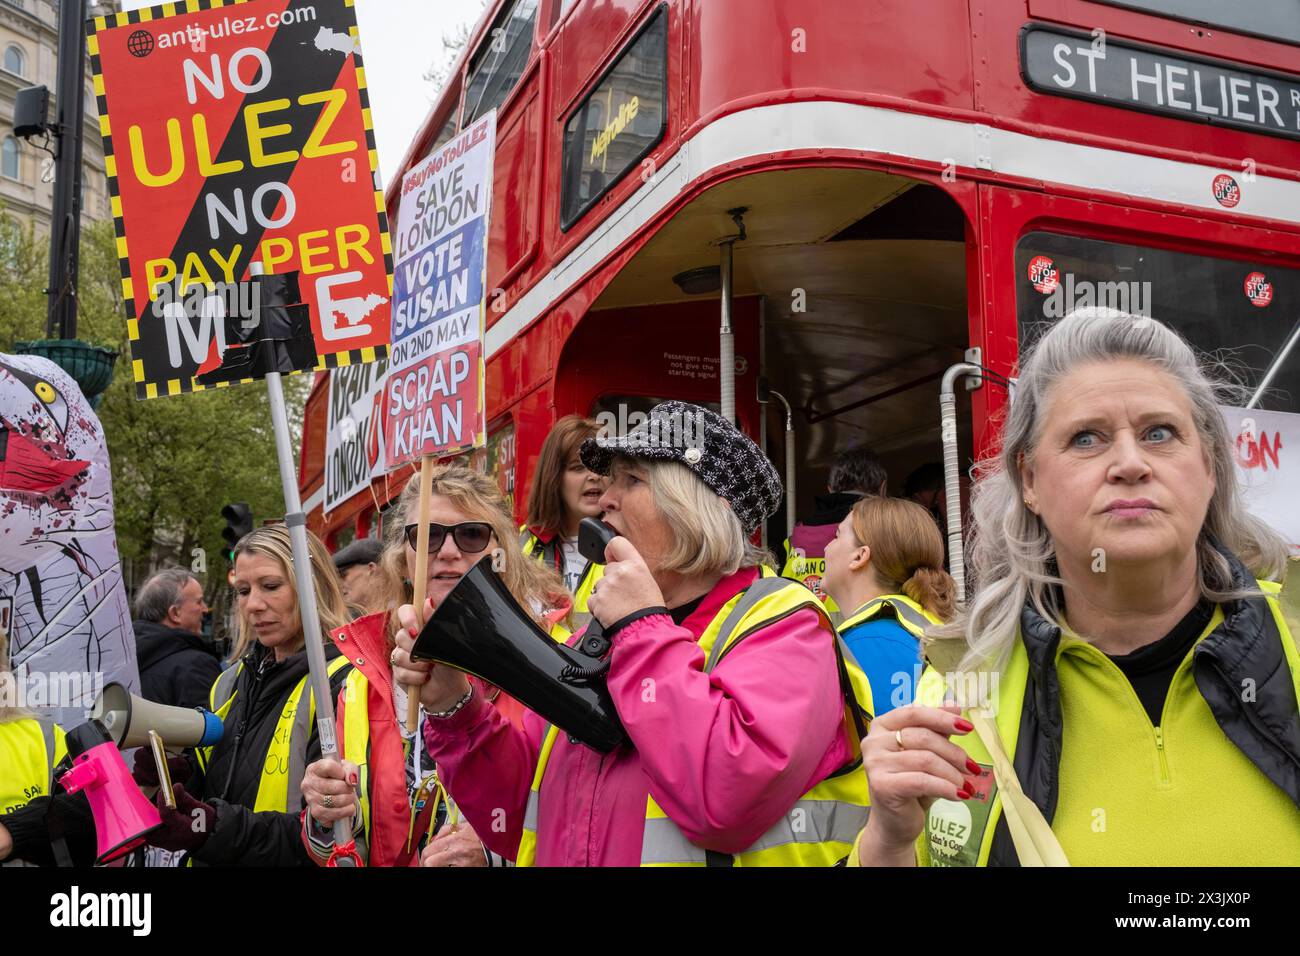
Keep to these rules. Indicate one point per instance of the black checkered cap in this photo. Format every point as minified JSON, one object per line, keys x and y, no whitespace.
{"x":717,"y":452}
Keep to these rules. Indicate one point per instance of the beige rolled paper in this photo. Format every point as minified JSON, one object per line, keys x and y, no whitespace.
{"x":1035,"y":843}
{"x":1290,"y":598}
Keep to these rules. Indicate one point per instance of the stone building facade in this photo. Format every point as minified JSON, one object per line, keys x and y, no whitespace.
{"x":29,"y":48}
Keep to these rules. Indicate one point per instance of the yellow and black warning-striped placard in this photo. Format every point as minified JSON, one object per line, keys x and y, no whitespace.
{"x":239,"y":132}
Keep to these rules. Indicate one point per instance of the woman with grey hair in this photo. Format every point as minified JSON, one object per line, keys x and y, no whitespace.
{"x":727,"y":680}
{"x":1124,"y":632}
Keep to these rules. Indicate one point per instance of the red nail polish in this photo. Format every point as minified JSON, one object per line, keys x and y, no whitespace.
{"x":973,"y":767}
{"x":964,"y":794}
{"x":964,"y":726}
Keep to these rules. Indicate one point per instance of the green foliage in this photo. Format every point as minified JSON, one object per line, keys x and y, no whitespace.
{"x":176,"y":460}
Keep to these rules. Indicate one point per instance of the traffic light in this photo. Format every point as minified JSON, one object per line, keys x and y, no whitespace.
{"x":239,"y":521}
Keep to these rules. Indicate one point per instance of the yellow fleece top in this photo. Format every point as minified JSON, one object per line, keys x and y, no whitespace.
{"x":1130,"y":794}
{"x":1180,"y":794}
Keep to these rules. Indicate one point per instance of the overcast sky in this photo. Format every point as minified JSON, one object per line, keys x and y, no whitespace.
{"x":401,"y":39}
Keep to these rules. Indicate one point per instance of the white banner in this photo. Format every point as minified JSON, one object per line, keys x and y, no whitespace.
{"x":1267,"y":452}
{"x":354,"y":441}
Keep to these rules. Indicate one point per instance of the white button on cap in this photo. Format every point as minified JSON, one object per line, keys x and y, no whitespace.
{"x":693,"y":456}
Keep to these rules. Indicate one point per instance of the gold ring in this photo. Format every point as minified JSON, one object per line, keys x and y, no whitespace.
{"x":392,"y":659}
{"x":327,"y":801}
{"x":898,"y":735}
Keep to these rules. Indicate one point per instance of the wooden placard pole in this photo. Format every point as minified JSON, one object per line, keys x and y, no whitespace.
{"x":420,"y":583}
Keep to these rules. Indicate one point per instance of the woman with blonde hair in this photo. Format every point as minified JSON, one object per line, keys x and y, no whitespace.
{"x":398,"y":810}
{"x":725,"y":677}
{"x":886,"y":563}
{"x":1125,"y":639}
{"x":246,"y":787}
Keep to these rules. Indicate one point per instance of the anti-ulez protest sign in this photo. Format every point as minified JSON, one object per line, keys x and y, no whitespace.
{"x":354,"y":443}
{"x":434,"y":402}
{"x":237,"y":133}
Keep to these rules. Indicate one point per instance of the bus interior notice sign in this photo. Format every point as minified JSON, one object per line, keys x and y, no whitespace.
{"x":1101,"y":69}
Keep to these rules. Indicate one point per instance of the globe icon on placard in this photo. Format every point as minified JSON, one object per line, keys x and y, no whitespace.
{"x":140,"y":43}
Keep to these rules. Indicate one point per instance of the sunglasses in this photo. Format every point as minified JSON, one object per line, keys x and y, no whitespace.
{"x":471,"y":537}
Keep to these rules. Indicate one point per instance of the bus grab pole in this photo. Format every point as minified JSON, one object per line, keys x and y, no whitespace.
{"x":727,"y":338}
{"x":789,"y":463}
{"x":951,"y":476}
{"x":1276,"y":366}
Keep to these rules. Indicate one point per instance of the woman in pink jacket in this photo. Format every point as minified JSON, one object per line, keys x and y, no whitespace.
{"x":739,"y":708}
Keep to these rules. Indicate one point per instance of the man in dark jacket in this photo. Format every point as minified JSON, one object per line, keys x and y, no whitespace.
{"x":362,"y":582}
{"x":177,"y":665}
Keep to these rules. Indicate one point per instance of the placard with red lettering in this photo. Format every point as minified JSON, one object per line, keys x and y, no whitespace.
{"x":438,"y":396}
{"x":236,"y":133}
{"x":434,"y":402}
{"x":1266,"y":448}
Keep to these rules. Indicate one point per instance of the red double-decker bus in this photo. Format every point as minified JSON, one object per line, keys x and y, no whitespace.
{"x":864,"y":194}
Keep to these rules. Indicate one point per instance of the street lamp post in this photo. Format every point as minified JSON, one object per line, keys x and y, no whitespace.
{"x":65,"y":231}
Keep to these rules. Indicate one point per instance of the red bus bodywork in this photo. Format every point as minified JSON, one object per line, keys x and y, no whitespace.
{"x":822,"y":119}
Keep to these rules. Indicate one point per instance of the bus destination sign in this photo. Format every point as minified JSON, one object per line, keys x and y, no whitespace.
{"x":1100,"y":69}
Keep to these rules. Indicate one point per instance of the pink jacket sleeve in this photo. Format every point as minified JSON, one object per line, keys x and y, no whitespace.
{"x":728,"y":752}
{"x":487,"y":766}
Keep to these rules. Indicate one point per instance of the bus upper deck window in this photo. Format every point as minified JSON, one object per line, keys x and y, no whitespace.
{"x":500,"y":59}
{"x":446,"y":133}
{"x":1277,"y":20}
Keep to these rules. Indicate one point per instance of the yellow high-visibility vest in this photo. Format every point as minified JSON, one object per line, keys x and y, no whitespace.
{"x":820,"y":827}
{"x":356,"y":746}
{"x":1194,"y":756}
{"x":30,"y":749}
{"x":285,"y":760}
{"x":533,"y":547}
{"x":910,"y":615}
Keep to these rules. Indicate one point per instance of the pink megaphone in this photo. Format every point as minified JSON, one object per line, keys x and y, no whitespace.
{"x":122,"y":814}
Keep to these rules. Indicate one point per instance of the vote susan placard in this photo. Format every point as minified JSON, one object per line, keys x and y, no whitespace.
{"x":434,"y":403}
{"x":239,"y":133}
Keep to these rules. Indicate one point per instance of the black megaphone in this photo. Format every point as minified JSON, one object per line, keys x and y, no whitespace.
{"x":480,"y":628}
